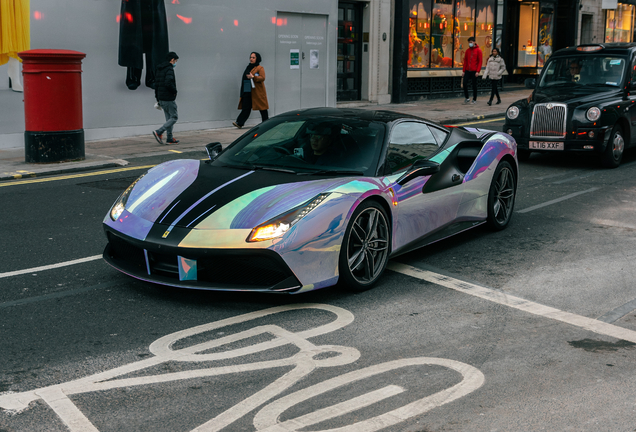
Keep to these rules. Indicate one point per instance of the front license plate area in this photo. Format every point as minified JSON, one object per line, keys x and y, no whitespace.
{"x":546,"y":145}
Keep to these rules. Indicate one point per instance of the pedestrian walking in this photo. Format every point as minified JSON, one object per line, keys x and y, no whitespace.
{"x":253,"y":94}
{"x":495,"y":67}
{"x":166,"y":94}
{"x":472,"y":65}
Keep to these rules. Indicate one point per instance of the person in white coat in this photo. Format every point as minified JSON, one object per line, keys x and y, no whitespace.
{"x":495,"y":67}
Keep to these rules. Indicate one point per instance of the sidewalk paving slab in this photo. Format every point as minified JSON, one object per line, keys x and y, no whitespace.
{"x":118,"y":152}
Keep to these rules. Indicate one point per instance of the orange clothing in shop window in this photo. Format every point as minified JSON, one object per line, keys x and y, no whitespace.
{"x":15,"y":34}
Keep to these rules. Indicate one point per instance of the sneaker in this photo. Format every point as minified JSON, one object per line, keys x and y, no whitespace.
{"x":158,"y":137}
{"x":474,"y":102}
{"x":172,"y":141}
{"x":237,"y":125}
{"x":467,"y":101}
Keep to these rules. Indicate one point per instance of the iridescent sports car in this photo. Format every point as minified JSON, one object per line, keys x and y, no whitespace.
{"x":309,"y":199}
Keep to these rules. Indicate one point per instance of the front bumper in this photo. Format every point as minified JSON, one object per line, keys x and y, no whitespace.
{"x":578,"y":140}
{"x":255,"y":270}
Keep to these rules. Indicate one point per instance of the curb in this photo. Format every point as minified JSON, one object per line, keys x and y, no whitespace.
{"x":472,"y":118}
{"x":71,"y":169}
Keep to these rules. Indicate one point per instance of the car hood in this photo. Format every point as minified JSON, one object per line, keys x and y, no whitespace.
{"x":195,"y":195}
{"x":579,"y":97}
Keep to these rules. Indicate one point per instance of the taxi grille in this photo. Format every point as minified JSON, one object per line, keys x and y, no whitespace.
{"x":548,"y":122}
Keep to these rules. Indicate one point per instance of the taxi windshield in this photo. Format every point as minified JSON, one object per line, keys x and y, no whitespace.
{"x":306,"y":145}
{"x":592,"y":71}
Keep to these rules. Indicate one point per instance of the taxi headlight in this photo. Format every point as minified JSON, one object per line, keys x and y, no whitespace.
{"x":513,"y":112}
{"x":593,"y":114}
{"x":279,"y":225}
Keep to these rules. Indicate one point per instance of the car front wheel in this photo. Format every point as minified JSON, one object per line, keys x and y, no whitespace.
{"x":365,"y":247}
{"x":501,"y":197}
{"x":613,"y":154}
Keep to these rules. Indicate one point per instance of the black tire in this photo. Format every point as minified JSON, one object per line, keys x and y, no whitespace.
{"x":365,"y":247}
{"x":501,"y":196}
{"x":523,"y":155}
{"x":613,"y":154}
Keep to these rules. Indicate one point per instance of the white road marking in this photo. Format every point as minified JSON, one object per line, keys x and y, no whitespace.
{"x":305,"y":361}
{"x":554,"y":201}
{"x":502,"y":298}
{"x":49,"y":267}
{"x":267,"y":419}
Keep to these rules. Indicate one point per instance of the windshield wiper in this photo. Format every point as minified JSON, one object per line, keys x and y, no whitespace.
{"x":260,"y":167}
{"x":328,"y":172}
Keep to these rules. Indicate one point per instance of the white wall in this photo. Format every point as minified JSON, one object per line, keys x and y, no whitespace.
{"x":213,"y":48}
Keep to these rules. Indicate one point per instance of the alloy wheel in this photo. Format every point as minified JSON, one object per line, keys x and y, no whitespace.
{"x":368,"y":245}
{"x":504,"y":195}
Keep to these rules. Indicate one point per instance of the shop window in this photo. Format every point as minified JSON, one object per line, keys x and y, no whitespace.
{"x":439,"y":31}
{"x":528,"y":23}
{"x":442,"y":34}
{"x":546,"y":26}
{"x":485,"y":27}
{"x":619,"y":24}
{"x":419,"y":34}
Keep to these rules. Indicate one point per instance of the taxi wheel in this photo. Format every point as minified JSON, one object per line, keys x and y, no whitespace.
{"x":501,"y":197}
{"x":613,"y":153}
{"x":365,"y":247}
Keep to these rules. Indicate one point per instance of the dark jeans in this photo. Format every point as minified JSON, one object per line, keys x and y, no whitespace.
{"x":494,"y":89}
{"x":246,"y":104}
{"x":472,"y":76}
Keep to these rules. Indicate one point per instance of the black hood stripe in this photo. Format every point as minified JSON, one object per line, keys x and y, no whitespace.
{"x":176,"y":221}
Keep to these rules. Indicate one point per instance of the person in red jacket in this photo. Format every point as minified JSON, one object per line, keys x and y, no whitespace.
{"x":472,"y":65}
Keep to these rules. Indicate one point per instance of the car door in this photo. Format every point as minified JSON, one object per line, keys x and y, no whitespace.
{"x":425,"y":204}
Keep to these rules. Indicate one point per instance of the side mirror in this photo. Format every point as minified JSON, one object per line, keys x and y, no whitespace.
{"x":420,"y":168}
{"x":214,"y":150}
{"x":530,"y":83}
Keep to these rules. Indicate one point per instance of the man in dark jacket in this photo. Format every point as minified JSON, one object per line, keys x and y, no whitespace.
{"x":472,"y":66}
{"x":166,"y":93}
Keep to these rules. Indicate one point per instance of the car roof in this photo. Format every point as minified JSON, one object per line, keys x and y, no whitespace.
{"x":616,"y":48}
{"x":353,"y":113}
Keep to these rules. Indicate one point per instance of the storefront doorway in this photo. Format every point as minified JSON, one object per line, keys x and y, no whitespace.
{"x":349,"y":51}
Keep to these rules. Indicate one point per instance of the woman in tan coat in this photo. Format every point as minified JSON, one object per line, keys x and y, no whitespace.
{"x":253,"y":94}
{"x":494,"y":70}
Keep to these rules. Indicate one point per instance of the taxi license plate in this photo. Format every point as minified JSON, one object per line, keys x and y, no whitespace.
{"x":545,"y":145}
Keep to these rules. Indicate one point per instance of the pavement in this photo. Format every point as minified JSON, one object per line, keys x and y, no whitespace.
{"x":119,"y":152}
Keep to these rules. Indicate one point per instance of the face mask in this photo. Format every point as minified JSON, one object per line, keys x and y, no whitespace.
{"x":174,"y":65}
{"x":470,"y":44}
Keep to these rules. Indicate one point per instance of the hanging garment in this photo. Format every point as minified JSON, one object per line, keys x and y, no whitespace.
{"x":143,"y":29}
{"x":15,"y":34}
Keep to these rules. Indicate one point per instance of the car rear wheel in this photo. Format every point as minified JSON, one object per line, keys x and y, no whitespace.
{"x":365,"y":247}
{"x":613,"y":154}
{"x":501,"y":197}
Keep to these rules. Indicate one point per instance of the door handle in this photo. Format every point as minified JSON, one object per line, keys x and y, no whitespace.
{"x":303,"y":55}
{"x":455,"y":178}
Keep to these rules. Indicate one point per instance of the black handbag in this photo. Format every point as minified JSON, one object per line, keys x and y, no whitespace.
{"x":247,"y":86}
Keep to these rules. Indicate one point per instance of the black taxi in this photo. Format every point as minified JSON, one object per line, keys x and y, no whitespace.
{"x":583,"y":101}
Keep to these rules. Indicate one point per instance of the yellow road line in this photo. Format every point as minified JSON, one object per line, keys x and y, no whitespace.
{"x":72,"y":176}
{"x":175,"y":151}
{"x":480,"y":121}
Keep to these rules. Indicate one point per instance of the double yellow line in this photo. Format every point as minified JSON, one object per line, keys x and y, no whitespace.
{"x":74,"y":176}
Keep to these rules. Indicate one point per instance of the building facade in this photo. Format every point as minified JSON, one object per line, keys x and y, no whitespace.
{"x":431,"y":37}
{"x":315,"y":52}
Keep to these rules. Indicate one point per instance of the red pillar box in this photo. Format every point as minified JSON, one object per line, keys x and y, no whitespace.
{"x":53,"y":105}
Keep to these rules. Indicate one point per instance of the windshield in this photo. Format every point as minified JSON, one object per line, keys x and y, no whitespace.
{"x":309,"y":145}
{"x":597,"y":71}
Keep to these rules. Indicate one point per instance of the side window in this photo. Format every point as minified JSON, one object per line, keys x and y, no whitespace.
{"x":440,"y":135}
{"x":409,"y":142}
{"x":633,"y":74}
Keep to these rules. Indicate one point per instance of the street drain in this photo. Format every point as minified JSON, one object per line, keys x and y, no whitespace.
{"x":598,"y":346}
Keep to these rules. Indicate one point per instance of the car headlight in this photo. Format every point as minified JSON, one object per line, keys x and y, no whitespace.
{"x":279,"y":225}
{"x":593,"y":114}
{"x":120,"y":205}
{"x":513,"y":112}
